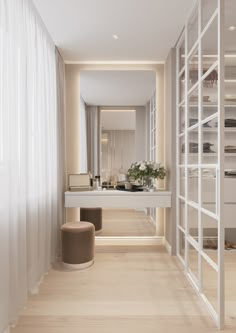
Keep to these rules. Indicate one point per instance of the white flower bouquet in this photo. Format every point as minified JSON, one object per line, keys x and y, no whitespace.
{"x":146,"y":169}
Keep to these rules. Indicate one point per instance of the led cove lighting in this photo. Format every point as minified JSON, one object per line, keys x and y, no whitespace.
{"x":115,"y":37}
{"x":232,"y":28}
{"x":118,"y":110}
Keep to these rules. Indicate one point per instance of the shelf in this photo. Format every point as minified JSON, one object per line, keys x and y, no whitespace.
{"x":204,"y":105}
{"x":230,"y":129}
{"x":209,"y":105}
{"x":204,"y":154}
{"x":207,"y":177}
{"x":230,"y":80}
{"x":212,"y":154}
{"x":213,"y":130}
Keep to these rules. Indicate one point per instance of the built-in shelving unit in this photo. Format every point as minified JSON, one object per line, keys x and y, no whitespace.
{"x":206,"y":146}
{"x":227,"y":130}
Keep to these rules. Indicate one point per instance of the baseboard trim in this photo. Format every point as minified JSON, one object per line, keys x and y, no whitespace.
{"x":35,"y":289}
{"x":135,"y":241}
{"x":168,"y":246}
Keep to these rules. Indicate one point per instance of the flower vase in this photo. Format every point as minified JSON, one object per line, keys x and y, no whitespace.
{"x":148,"y":183}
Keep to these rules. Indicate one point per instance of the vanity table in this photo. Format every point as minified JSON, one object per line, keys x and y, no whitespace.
{"x":118,"y":199}
{"x":121,"y":199}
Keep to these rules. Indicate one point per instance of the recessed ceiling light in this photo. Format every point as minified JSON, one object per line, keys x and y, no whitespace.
{"x":115,"y":36}
{"x":232,"y":28}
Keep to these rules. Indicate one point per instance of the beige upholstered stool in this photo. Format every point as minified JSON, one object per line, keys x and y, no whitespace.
{"x":92,"y":215}
{"x":77,"y":244}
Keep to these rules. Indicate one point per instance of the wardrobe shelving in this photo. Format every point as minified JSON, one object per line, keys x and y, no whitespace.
{"x":206,"y":145}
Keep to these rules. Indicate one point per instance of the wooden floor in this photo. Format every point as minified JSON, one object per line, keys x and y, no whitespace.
{"x":127,"y":290}
{"x":126,"y":222}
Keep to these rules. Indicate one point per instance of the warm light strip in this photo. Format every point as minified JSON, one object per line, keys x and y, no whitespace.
{"x":104,"y":140}
{"x":118,"y":110}
{"x":69,"y":62}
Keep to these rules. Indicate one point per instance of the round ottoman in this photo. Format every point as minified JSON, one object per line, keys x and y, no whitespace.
{"x":93,"y":215}
{"x":77,"y":244}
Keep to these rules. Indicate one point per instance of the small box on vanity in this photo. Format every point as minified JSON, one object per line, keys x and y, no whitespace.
{"x":79,"y":182}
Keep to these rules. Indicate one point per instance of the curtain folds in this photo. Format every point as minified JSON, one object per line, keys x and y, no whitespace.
{"x":32,"y":165}
{"x":61,"y":158}
{"x":93,"y":139}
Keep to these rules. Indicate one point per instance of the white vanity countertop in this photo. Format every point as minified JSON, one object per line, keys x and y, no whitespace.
{"x":117,"y":192}
{"x":118,"y":199}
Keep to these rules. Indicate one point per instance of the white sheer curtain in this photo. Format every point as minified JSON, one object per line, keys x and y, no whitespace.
{"x":83,"y":158}
{"x":61,"y":159}
{"x":29,"y":200}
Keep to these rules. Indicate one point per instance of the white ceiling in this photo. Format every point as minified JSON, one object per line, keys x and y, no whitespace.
{"x":118,"y":120}
{"x":117,"y":88}
{"x":83,"y":29}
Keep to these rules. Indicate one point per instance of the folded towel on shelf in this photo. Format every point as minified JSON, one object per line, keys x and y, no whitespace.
{"x":230,"y":122}
{"x":193,"y":98}
{"x":207,"y":147}
{"x":230,"y":173}
{"x":230,"y":149}
{"x":193,"y":173}
{"x":192,"y":121}
{"x":206,"y":124}
{"x":206,"y":173}
{"x":193,"y":147}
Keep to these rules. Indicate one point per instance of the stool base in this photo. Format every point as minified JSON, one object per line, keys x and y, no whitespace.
{"x":78,"y":266}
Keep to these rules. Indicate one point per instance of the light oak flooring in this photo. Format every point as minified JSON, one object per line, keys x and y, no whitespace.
{"x":128,"y":289}
{"x":126,"y":222}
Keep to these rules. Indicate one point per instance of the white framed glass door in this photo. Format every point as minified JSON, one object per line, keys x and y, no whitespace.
{"x":200,"y":153}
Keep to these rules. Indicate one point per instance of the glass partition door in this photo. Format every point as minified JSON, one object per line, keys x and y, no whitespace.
{"x":200,"y":153}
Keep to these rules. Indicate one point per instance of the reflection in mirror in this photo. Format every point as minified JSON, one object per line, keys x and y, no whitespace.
{"x":117,"y":144}
{"x":117,"y":127}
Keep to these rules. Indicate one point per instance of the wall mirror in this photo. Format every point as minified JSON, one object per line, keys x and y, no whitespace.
{"x":117,"y":120}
